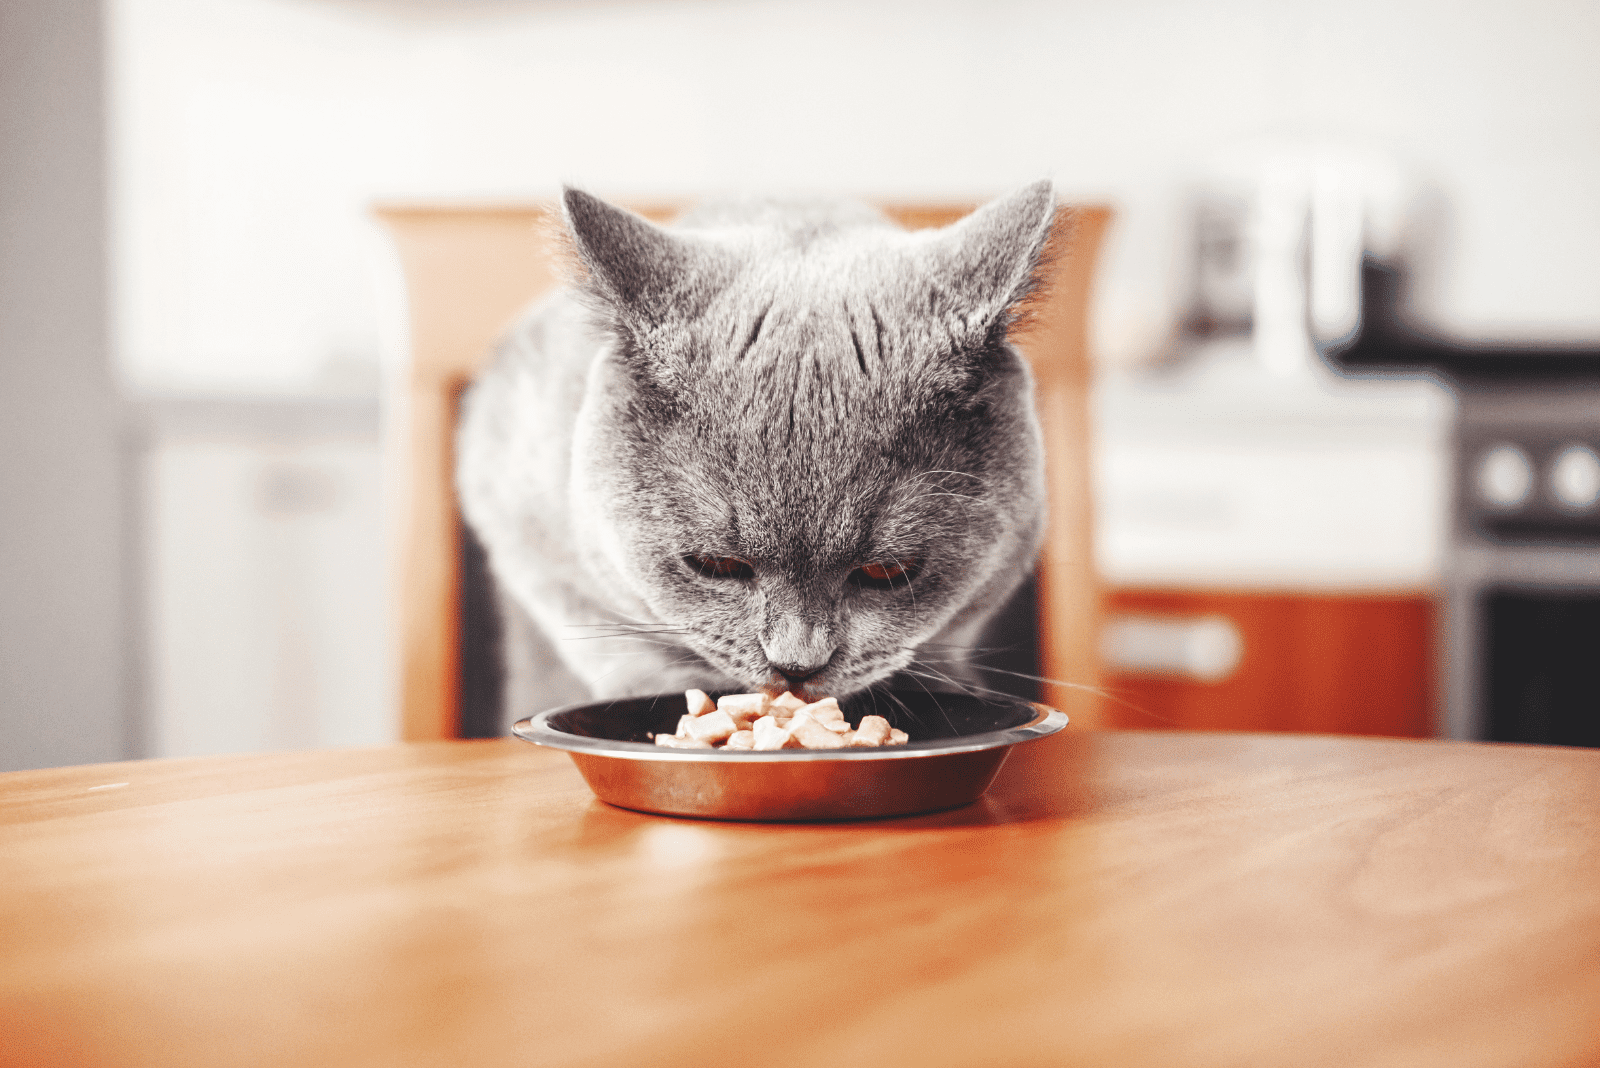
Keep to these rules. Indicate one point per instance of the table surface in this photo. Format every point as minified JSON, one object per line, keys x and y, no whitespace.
{"x":1115,"y":900}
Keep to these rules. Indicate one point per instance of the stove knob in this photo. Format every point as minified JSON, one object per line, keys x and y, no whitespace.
{"x":1504,"y":476}
{"x":1575,"y":477}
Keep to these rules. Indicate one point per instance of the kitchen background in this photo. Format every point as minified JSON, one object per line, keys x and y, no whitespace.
{"x":199,"y":312}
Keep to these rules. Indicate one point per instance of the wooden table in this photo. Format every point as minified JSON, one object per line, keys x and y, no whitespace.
{"x":1116,"y":900}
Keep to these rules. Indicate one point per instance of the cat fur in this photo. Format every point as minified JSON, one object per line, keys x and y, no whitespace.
{"x":804,"y":386}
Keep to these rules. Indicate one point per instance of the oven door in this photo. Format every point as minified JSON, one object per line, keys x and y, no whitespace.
{"x":1542,"y":664}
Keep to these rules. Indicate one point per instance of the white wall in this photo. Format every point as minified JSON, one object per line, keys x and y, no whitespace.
{"x":64,"y":693}
{"x":250,"y":135}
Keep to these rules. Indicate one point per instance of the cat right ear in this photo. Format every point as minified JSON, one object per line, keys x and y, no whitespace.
{"x":997,"y":253}
{"x":643,"y":274}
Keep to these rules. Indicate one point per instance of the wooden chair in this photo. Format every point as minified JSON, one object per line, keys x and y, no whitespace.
{"x":470,"y":270}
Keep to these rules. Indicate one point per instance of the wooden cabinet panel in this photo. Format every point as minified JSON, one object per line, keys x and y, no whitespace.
{"x":1324,"y":663}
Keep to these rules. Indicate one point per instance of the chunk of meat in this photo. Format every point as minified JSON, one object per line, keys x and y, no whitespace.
{"x":768,"y":735}
{"x":744,"y":708}
{"x":672,"y":741}
{"x":826,"y":710}
{"x":756,"y":721}
{"x":788,"y":702}
{"x":814,"y":734}
{"x":715,"y":726}
{"x":874,"y":730}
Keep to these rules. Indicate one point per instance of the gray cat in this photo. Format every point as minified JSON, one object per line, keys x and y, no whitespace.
{"x":781,"y":446}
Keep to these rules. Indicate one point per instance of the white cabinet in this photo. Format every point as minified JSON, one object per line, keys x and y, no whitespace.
{"x":1272,"y":548}
{"x":1220,"y":475}
{"x":265,"y":578}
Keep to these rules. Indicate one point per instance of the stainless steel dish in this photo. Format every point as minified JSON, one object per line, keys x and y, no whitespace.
{"x":958,"y":744}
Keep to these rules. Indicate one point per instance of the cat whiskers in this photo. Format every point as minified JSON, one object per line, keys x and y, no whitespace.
{"x":628,"y":652}
{"x":918,"y":676}
{"x":944,"y":491}
{"x":635,"y":635}
{"x":970,"y":689}
{"x":948,"y":493}
{"x":990,"y":506}
{"x":873,"y":693}
{"x":1098,"y":691}
{"x":643,"y":634}
{"x":911,"y":587}
{"x":691,"y":658}
{"x":946,"y":471}
{"x":1013,"y":647}
{"x":618,"y":630}
{"x":636,"y":643}
{"x":622,"y":626}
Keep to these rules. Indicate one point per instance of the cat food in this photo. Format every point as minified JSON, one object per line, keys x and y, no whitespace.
{"x":756,"y":721}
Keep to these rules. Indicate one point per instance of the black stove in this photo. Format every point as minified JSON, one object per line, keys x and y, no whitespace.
{"x":1519,"y":652}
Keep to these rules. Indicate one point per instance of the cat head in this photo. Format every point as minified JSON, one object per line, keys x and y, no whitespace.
{"x":811,"y":441}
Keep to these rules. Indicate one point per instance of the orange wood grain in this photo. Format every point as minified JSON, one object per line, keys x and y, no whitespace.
{"x":467,"y":272}
{"x":1056,"y":342}
{"x":469,"y":269}
{"x":1334,"y":663}
{"x":1144,"y":899}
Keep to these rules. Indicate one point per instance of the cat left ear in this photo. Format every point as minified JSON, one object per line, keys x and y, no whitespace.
{"x":627,"y":258}
{"x":642,"y":272}
{"x":996,"y":253}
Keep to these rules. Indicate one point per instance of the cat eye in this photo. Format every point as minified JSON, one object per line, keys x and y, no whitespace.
{"x":886,"y":574}
{"x":729,"y":567}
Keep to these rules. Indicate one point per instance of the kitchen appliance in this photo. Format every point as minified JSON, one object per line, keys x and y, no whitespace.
{"x":1521,"y":628}
{"x":1522,"y":645}
{"x":1301,"y":260}
{"x":1270,"y":531}
{"x":1280,"y":232}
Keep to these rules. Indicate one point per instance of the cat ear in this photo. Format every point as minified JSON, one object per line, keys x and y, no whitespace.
{"x":993,"y":257}
{"x":641,"y":273}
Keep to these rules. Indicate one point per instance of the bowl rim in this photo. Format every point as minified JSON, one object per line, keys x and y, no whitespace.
{"x":537,"y":729}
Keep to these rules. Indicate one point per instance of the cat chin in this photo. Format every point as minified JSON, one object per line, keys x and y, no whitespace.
{"x":826,"y":685}
{"x":813,"y":690}
{"x":850,"y":684}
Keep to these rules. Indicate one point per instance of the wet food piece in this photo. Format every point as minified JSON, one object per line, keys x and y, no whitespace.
{"x":756,"y":721}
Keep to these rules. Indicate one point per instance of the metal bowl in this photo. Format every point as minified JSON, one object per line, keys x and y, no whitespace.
{"x":958,"y":744}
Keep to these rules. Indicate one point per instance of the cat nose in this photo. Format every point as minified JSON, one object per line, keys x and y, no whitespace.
{"x":798,"y":673}
{"x":798,"y":649}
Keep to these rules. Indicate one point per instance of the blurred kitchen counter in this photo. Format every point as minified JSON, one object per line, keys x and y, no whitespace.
{"x":1271,"y":545}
